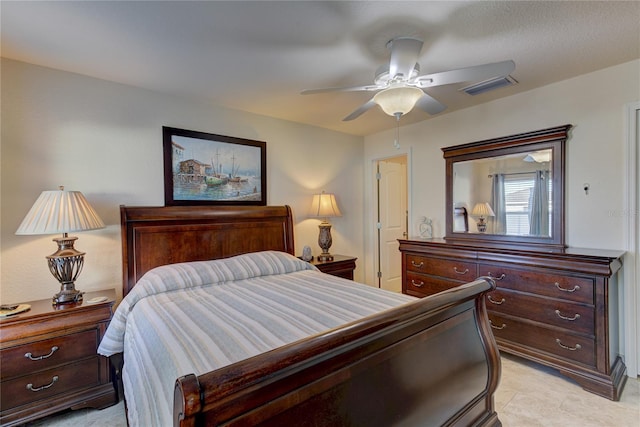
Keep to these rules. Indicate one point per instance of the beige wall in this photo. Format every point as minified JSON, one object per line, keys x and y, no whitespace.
{"x":105,"y":140}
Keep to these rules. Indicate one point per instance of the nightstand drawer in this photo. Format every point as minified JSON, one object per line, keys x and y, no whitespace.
{"x":45,"y":384}
{"x":45,"y":354}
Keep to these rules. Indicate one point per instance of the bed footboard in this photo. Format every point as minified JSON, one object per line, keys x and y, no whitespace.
{"x":432,"y":362}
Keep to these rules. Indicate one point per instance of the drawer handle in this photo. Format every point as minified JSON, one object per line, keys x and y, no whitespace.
{"x":466,"y":270}
{"x":44,"y":387}
{"x":417,"y":265}
{"x":575,"y":316}
{"x":492,"y":301}
{"x":502,"y":276}
{"x":417,"y":285}
{"x":497,"y":327}
{"x":575,"y":288}
{"x":46,"y":356}
{"x":577,"y":347}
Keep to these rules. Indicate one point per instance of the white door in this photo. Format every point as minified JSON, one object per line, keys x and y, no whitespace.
{"x":392,"y":220}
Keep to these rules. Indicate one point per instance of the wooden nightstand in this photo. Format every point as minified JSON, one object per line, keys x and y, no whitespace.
{"x":341,"y":266}
{"x":49,"y":359}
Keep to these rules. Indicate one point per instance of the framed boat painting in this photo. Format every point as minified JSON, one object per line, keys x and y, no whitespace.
{"x":207,"y":169}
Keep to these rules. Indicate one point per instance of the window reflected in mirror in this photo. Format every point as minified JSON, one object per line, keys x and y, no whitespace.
{"x":518,"y":189}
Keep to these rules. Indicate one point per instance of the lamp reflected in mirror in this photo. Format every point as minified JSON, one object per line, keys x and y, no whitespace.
{"x":482,"y":210}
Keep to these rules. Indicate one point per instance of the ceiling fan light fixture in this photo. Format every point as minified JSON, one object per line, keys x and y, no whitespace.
{"x":398,"y":100}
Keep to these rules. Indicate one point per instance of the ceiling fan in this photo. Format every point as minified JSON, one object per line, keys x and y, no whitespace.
{"x":400,"y":86}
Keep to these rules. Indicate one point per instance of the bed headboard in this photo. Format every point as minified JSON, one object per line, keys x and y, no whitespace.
{"x":154,"y":236}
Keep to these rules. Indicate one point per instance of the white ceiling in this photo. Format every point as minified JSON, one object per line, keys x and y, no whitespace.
{"x":258,"y":56}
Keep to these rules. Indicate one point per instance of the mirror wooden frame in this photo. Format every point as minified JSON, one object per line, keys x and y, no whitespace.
{"x":553,"y":138}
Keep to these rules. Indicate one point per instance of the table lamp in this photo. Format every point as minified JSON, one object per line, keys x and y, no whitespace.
{"x":481,"y":210}
{"x":62,"y":211}
{"x":324,"y":206}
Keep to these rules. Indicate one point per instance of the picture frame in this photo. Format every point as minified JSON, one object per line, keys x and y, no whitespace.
{"x":207,"y":169}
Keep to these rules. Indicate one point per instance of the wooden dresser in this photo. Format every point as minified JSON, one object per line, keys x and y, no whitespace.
{"x":49,"y":359}
{"x":556,"y":307}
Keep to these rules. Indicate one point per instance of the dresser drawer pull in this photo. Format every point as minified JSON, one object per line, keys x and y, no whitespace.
{"x":497,"y":327}
{"x":466,"y":270}
{"x":492,"y":301}
{"x":577,"y":347}
{"x":502,"y":276}
{"x":417,"y":285}
{"x":575,"y":288}
{"x":44,"y":387}
{"x":46,"y":356}
{"x":416,"y":264}
{"x":575,"y":316}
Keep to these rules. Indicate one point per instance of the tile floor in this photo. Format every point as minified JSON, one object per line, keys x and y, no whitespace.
{"x":529,"y":395}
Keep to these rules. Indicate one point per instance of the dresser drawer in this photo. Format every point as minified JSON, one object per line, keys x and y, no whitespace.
{"x":536,"y":337}
{"x":452,"y":269}
{"x":421,"y":285}
{"x":45,"y":354}
{"x":555,"y":285}
{"x":45,"y":384}
{"x":575,"y":317}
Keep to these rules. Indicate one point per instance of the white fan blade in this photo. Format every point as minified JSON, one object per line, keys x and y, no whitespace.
{"x":404,"y":56}
{"x":362,"y":109}
{"x":469,"y":74}
{"x":341,"y":89}
{"x":430,"y":105}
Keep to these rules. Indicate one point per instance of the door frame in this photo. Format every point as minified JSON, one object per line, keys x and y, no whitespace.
{"x":374,"y":207}
{"x":630,"y":296}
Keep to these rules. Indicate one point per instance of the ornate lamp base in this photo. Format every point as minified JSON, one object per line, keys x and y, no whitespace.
{"x":65,"y":265}
{"x":325,"y":241}
{"x":67,"y":296}
{"x":482,"y":226}
{"x":325,"y":257}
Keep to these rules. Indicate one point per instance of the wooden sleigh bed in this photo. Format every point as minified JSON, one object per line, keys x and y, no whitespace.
{"x":432,"y":361}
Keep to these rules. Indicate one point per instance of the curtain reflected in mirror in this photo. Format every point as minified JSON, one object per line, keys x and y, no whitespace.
{"x":539,"y":205}
{"x":498,"y":203}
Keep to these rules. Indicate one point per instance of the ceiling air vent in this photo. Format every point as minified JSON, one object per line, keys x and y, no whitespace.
{"x":488,"y":85}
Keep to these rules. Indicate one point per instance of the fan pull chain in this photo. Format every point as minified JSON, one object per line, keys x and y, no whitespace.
{"x":396,"y":143}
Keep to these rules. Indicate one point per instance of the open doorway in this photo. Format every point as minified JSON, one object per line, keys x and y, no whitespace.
{"x":391,"y":219}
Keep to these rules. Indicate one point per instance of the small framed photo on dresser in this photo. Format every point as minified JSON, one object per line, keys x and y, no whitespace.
{"x":207,"y":169}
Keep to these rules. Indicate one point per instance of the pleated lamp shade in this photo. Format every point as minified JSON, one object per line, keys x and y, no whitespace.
{"x":482,"y":210}
{"x":60,"y":211}
{"x":324,"y":205}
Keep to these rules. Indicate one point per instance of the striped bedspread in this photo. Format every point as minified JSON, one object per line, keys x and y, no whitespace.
{"x":197,"y":317}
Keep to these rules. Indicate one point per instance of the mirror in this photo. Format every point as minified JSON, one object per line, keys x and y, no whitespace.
{"x":507,"y":190}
